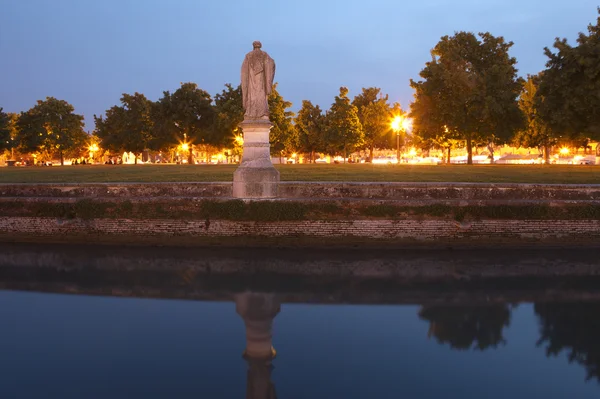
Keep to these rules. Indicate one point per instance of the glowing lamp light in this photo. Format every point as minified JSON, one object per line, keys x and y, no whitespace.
{"x":93,"y":148}
{"x":412,"y":152}
{"x":239,"y":140}
{"x":397,"y":123}
{"x":564,"y":151}
{"x":185,"y":146}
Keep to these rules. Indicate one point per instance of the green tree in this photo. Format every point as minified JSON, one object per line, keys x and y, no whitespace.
{"x":344,"y":132}
{"x":128,"y":127}
{"x":282,"y":133}
{"x":51,"y":127}
{"x":7,"y":128}
{"x":310,"y":124}
{"x":470,"y":86}
{"x":536,"y":132}
{"x":569,"y":91}
{"x":229,"y":113}
{"x":375,"y":115}
{"x":186,"y":115}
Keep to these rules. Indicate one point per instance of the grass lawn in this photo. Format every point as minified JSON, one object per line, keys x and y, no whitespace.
{"x":319,"y":172}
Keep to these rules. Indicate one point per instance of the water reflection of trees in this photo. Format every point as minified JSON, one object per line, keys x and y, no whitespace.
{"x":467,"y":327}
{"x":574,"y":328}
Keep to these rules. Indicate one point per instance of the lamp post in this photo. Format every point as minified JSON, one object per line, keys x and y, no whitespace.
{"x":400,"y":123}
{"x":396,"y":126}
{"x":93,"y":148}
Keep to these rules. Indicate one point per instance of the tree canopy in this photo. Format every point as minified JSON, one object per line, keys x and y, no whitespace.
{"x":127,"y":127}
{"x":229,"y":113}
{"x":188,"y":116}
{"x":470,"y":87}
{"x":51,"y":126}
{"x":535,"y":132}
{"x":7,"y":123}
{"x":374,"y":113}
{"x":344,"y":132}
{"x":310,"y":124}
{"x":282,"y":133}
{"x":569,"y":90}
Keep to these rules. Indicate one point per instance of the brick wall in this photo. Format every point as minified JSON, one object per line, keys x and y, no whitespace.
{"x":581,"y":232}
{"x":413,"y":230}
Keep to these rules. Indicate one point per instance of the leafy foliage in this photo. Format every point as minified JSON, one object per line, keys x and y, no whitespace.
{"x":52,"y":127}
{"x":7,"y":123}
{"x":469,"y":88}
{"x":344,"y":132}
{"x":229,"y":113}
{"x":374,"y":113}
{"x":569,"y":90}
{"x":310,"y":126}
{"x":127,"y":127}
{"x":186,"y":115}
{"x":536,"y":131}
{"x":282,"y":133}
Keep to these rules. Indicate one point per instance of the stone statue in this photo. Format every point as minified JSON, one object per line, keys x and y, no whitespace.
{"x":258,"y":72}
{"x":256,"y":177}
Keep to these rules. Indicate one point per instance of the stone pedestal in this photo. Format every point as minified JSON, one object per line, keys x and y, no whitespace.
{"x":256,"y":177}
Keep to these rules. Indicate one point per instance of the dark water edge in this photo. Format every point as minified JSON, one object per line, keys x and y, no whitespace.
{"x":323,"y":276}
{"x":418,"y":324}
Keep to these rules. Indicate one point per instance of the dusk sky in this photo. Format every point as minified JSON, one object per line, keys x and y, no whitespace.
{"x":90,"y":52}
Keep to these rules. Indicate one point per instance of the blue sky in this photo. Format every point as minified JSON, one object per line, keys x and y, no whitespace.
{"x":90,"y":52}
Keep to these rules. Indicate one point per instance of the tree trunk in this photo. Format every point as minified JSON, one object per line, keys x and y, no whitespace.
{"x":469,"y":150}
{"x":312,"y":156}
{"x":546,"y":154}
{"x":448,"y":159}
{"x":344,"y":153}
{"x":190,"y":156}
{"x":135,"y":159}
{"x":62,"y":159}
{"x":371,"y":154}
{"x":490,"y":147}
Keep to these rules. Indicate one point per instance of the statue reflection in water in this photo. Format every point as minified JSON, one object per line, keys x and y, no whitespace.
{"x":258,"y":311}
{"x":571,"y":327}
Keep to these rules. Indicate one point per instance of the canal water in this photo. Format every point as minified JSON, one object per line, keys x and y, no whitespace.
{"x":77,"y":346}
{"x":116,"y":322}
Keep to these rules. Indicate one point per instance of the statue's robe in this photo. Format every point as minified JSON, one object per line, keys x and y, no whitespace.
{"x":258,"y":72}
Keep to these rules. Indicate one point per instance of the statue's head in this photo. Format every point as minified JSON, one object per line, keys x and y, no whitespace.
{"x":256,"y":44}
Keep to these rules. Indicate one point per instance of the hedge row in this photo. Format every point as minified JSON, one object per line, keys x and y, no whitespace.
{"x":287,"y":210}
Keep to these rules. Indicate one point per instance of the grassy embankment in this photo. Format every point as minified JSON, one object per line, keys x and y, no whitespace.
{"x":549,"y":174}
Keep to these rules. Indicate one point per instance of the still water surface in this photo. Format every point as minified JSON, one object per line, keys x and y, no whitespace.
{"x":68,"y":346}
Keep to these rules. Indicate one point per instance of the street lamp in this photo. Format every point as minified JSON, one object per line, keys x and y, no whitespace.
{"x":396,"y":126}
{"x":92,"y":149}
{"x":400,"y":123}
